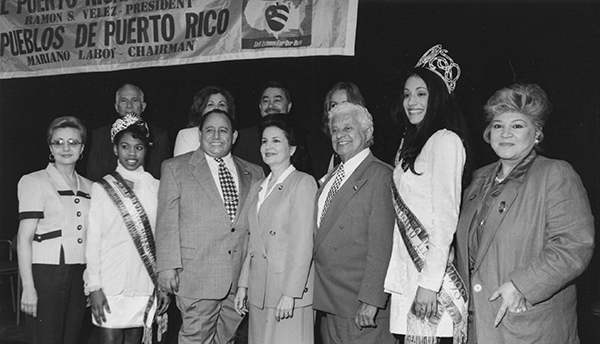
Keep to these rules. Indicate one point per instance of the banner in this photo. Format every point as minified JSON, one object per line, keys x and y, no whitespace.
{"x":47,"y":37}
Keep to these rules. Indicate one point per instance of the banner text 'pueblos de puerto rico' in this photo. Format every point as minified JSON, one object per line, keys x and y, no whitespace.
{"x":48,"y":37}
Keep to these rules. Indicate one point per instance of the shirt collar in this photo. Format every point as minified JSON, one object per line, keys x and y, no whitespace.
{"x":281,"y":178}
{"x":352,"y":164}
{"x":58,"y":181}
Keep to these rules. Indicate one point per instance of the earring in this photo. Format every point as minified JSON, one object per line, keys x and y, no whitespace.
{"x":537,"y":141}
{"x":51,"y":157}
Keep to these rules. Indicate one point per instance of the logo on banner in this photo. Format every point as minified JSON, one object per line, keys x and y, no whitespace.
{"x":276,"y":24}
{"x":277,"y":16}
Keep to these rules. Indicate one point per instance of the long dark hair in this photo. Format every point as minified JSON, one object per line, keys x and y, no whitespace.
{"x":442,"y":112}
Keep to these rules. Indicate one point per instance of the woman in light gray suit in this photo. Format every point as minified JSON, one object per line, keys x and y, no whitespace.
{"x":276,"y":278}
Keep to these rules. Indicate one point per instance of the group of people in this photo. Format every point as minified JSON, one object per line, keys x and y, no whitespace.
{"x":369,"y":253}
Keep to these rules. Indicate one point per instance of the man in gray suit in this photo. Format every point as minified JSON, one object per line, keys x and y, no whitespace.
{"x":202,"y":231}
{"x":353,"y":236}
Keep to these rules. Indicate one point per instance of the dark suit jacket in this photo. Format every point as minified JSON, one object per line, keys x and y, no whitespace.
{"x":102,"y":159}
{"x":247,"y":146}
{"x":353,"y":245}
{"x":194,"y":234}
{"x":539,"y":234}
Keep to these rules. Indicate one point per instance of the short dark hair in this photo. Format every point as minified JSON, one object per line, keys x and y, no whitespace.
{"x":231,"y":119}
{"x":201,"y":100}
{"x":138,"y":132}
{"x":296,"y":138}
{"x":275,"y":84}
{"x":67,"y":122}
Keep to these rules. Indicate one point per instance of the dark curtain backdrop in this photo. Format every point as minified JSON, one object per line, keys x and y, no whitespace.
{"x":554,"y":44}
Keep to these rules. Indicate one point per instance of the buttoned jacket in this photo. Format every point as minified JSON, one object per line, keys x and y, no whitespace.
{"x":354,"y":241}
{"x":194,"y":233}
{"x":279,"y":260}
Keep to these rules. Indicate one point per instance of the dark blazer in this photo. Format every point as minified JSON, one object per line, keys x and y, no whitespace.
{"x":279,"y":256}
{"x":539,"y":234}
{"x":102,"y":159}
{"x":354,"y":242}
{"x":194,"y":234}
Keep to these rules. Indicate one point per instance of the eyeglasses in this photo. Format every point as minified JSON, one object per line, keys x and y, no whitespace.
{"x":61,"y":143}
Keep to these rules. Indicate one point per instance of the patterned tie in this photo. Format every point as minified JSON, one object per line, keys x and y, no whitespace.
{"x":339,"y":176}
{"x":230,"y":194}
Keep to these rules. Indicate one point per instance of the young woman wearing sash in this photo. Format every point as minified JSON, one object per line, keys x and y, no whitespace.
{"x":120,"y":277}
{"x":428,"y":298}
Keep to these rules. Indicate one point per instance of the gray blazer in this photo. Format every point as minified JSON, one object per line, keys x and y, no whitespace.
{"x":354,"y":242}
{"x":194,"y":234}
{"x":281,"y":240}
{"x":539,"y":234}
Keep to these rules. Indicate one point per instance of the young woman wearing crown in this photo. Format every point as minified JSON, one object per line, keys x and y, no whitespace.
{"x":428,"y":298}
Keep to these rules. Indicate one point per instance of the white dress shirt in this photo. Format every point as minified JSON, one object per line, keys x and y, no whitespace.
{"x":349,"y":167}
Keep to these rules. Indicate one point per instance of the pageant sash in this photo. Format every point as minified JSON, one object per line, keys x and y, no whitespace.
{"x":138,"y":225}
{"x":452,"y":296}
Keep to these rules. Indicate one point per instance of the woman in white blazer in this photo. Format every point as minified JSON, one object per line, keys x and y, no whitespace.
{"x":275,"y":284}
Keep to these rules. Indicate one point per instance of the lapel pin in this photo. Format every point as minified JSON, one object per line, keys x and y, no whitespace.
{"x":355,"y":187}
{"x":246,"y":172}
{"x":472,"y":197}
{"x":280,"y":187}
{"x":501,"y":207}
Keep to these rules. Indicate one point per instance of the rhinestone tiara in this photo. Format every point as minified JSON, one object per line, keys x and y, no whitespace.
{"x":125,"y":122}
{"x":437,"y":60}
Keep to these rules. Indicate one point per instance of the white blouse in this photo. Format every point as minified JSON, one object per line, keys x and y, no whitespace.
{"x":188,"y":140}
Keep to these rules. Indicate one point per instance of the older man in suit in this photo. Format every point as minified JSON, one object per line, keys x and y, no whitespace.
{"x":129,"y":99}
{"x":353,"y":237}
{"x":202,"y":231}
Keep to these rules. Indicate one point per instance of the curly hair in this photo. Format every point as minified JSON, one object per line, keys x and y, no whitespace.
{"x":527,"y":99}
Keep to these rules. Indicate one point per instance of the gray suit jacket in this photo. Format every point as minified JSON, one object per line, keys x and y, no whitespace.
{"x":354,"y":242}
{"x":281,"y":241}
{"x":194,"y":234}
{"x":539,"y":234}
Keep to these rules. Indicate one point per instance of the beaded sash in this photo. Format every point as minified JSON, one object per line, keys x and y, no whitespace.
{"x":138,"y":225}
{"x":452,"y":297}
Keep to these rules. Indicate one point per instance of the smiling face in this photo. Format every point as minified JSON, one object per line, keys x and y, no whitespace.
{"x":273,"y":100}
{"x":216,"y":101}
{"x":512,"y":136}
{"x":415,"y":99}
{"x":348,"y":137}
{"x":129,"y":101}
{"x":217,"y":135}
{"x":66,"y":146}
{"x":275,"y":148}
{"x":130,"y":152}
{"x":338,"y":97}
